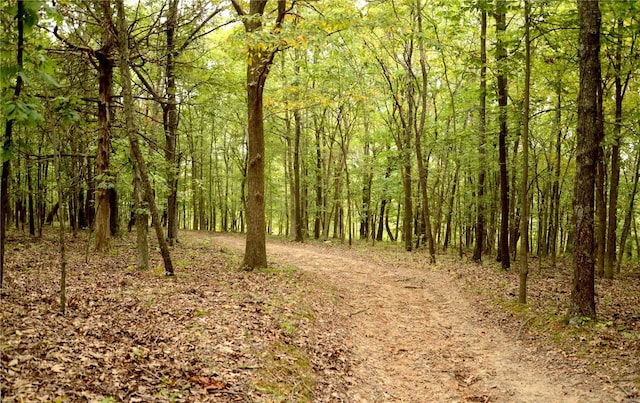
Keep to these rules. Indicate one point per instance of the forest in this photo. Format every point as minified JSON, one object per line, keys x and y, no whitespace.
{"x":493,"y":133}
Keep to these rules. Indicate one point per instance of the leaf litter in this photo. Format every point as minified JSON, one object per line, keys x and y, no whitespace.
{"x":212,"y":333}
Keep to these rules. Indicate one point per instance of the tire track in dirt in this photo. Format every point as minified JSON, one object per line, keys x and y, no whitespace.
{"x":415,"y":337}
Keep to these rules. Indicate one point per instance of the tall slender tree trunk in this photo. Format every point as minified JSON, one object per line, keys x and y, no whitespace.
{"x":170,"y":120}
{"x":141,"y":168}
{"x":452,"y":195}
{"x":141,"y":218}
{"x":524,"y":195}
{"x":61,"y":229}
{"x":589,"y":135}
{"x":555,"y":188}
{"x":317,"y":226}
{"x":610,"y":252}
{"x":629,"y":216}
{"x":32,"y":222}
{"x":407,"y":218}
{"x":601,"y":215}
{"x":7,"y":144}
{"x":480,"y":209}
{"x":297,"y":211}
{"x":501,"y":54}
{"x":419,"y":129}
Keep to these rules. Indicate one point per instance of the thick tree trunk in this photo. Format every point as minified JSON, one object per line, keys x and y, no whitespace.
{"x":258,"y":65}
{"x":589,"y":135}
{"x":105,"y":79}
{"x":255,"y":249}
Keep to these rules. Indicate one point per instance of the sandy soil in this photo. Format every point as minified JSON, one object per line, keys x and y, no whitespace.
{"x":417,"y":338}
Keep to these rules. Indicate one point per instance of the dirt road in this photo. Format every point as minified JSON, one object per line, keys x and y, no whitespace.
{"x":416,"y":337}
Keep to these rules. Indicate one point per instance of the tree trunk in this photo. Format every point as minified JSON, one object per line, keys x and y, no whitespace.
{"x":589,"y":135}
{"x":141,"y":219}
{"x":501,"y":54}
{"x":480,"y":219}
{"x":114,"y":214}
{"x":610,"y":252}
{"x":61,"y":229}
{"x":255,"y":250}
{"x":454,"y":190}
{"x":141,"y":168}
{"x":258,"y":65}
{"x":105,"y":183}
{"x":419,"y":130}
{"x":317,"y":226}
{"x":32,"y":222}
{"x":629,"y":216}
{"x":297,"y":211}
{"x":524,"y":186}
{"x":555,"y":188}
{"x":7,"y":144}
{"x":170,"y":120}
{"x":601,"y":215}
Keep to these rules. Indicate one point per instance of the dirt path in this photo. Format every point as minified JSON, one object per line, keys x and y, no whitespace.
{"x":416,"y":338}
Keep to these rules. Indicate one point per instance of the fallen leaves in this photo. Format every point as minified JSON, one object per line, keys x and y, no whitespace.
{"x":140,"y":337}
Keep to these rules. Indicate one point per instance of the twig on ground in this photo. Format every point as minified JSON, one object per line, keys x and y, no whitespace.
{"x":359,"y":311}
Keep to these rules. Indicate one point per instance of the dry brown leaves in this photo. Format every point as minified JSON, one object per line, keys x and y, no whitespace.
{"x":212,"y":333}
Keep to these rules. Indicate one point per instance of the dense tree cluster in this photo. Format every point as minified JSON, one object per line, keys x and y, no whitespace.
{"x":440,"y":124}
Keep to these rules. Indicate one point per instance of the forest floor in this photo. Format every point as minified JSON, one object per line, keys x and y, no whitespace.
{"x":323,"y":323}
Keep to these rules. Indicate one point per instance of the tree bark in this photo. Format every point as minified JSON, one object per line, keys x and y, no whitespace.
{"x":297,"y":119}
{"x":610,"y":251}
{"x":259,"y":62}
{"x":555,"y":188}
{"x":132,"y":132}
{"x":524,"y":195}
{"x":7,"y":143}
{"x":419,"y":130}
{"x":317,"y":226}
{"x":501,"y":54}
{"x":105,"y":79}
{"x":601,"y":215}
{"x":170,"y":120}
{"x":589,"y":135}
{"x":480,"y":209}
{"x":629,"y":216}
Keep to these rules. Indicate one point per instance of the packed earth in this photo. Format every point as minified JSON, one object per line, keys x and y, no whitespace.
{"x":322,"y":323}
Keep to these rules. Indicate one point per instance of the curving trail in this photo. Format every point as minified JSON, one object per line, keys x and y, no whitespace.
{"x":415,"y":337}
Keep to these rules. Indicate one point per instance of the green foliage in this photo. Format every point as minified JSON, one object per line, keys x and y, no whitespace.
{"x":22,"y":112}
